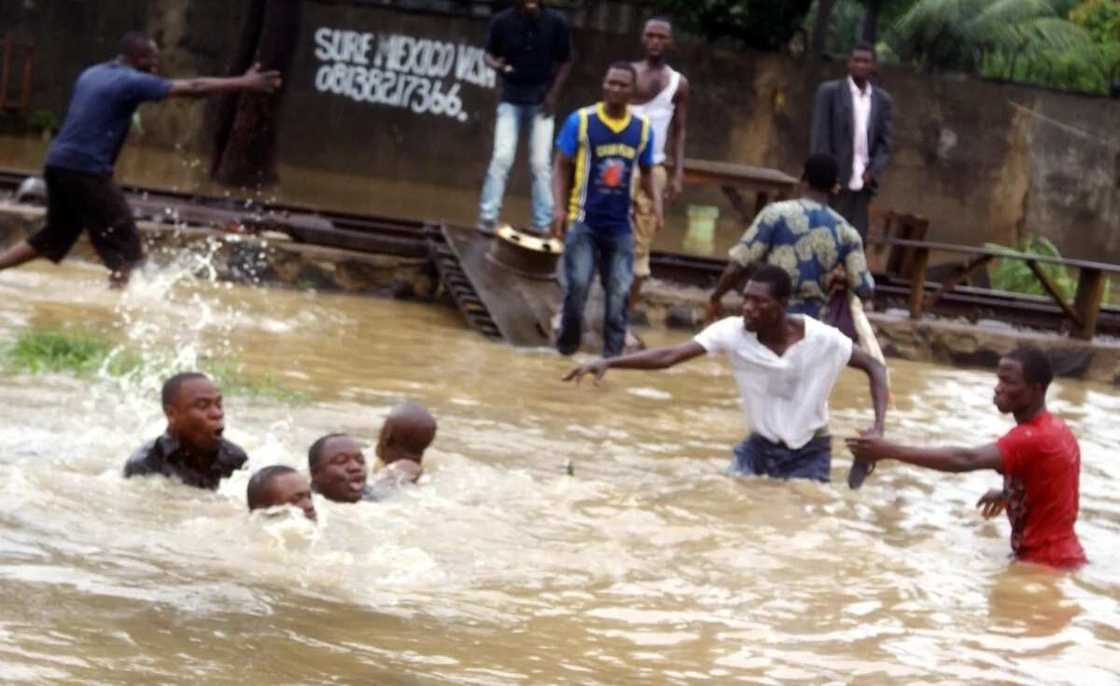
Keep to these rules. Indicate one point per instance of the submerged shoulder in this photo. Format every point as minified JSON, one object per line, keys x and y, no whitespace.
{"x":233,"y":455}
{"x":143,"y":460}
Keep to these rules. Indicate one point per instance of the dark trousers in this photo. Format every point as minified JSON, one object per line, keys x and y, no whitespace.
{"x":852,"y":205}
{"x":761,"y":457}
{"x":612,"y":254}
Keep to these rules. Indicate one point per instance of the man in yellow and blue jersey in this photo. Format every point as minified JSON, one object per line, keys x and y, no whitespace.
{"x":596,"y":153}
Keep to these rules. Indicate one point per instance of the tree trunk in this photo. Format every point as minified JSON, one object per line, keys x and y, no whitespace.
{"x":871,"y":21}
{"x":820,"y":28}
{"x":245,"y":145}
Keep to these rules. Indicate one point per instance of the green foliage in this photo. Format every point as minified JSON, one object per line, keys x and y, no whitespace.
{"x":1101,"y":18}
{"x":82,"y":354}
{"x":53,"y":352}
{"x":1017,"y":277}
{"x":43,"y":120}
{"x":761,"y":24}
{"x":1028,"y":41}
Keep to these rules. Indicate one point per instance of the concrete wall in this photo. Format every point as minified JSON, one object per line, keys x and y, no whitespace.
{"x":983,"y":161}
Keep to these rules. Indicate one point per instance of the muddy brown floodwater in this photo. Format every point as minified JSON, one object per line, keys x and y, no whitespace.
{"x":648,"y":566}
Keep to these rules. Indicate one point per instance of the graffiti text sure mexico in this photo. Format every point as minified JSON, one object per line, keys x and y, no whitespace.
{"x":419,"y":74}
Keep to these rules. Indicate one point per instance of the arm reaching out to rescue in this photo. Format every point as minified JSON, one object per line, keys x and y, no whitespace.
{"x":657,"y":358}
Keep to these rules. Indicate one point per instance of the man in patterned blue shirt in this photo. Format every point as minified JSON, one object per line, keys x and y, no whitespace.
{"x":806,"y":238}
{"x":597,"y":152}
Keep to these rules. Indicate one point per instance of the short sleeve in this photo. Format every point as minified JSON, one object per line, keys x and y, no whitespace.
{"x":1012,"y":448}
{"x":719,"y":337}
{"x":645,"y":157}
{"x":563,"y":41}
{"x":494,"y":44}
{"x":568,"y":140}
{"x":756,"y":241}
{"x":147,"y":88}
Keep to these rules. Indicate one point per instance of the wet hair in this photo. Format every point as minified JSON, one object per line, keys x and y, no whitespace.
{"x":135,"y":44}
{"x":821,"y":172}
{"x":259,"y":482}
{"x":775,"y":277}
{"x":171,"y":387}
{"x":864,"y":46}
{"x":315,"y":452}
{"x":625,"y":66}
{"x":1035,"y":363}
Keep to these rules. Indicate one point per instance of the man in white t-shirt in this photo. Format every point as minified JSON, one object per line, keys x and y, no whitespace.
{"x":785,"y":367}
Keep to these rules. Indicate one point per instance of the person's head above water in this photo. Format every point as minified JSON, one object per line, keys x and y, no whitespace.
{"x":1023,"y":376}
{"x":280,"y":485}
{"x":657,"y":38}
{"x":821,"y":172}
{"x":193,"y":407}
{"x":618,"y":87}
{"x":765,"y":297}
{"x":406,"y":434}
{"x":338,"y":468}
{"x":140,"y":52}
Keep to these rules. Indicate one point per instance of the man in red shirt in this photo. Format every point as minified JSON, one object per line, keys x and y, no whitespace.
{"x":1039,"y":459}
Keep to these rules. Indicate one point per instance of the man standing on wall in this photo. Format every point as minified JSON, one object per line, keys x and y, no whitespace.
{"x":79,"y":166}
{"x":662,"y":97}
{"x":530,"y":46}
{"x":852,"y":123}
{"x":597,"y":152}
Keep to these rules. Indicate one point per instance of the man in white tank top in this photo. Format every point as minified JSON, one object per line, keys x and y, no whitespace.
{"x":662,"y":96}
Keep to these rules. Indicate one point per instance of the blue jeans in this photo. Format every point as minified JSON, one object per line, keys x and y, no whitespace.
{"x":613,"y":254}
{"x":758,"y":456}
{"x":511,"y":119}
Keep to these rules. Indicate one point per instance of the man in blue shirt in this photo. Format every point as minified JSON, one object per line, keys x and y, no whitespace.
{"x":530,"y":47}
{"x":79,"y":165}
{"x":596,"y":153}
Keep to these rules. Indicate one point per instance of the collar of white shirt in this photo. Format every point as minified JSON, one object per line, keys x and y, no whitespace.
{"x":856,"y":92}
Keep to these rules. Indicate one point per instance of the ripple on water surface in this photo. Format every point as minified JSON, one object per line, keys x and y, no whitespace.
{"x":646,"y":566}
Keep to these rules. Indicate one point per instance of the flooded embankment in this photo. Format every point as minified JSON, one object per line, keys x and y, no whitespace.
{"x":648,"y":566}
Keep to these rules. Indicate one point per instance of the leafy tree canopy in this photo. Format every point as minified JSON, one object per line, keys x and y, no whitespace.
{"x":761,"y":24}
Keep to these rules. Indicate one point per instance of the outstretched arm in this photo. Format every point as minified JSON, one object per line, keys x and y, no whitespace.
{"x":873,"y":449}
{"x":657,"y":358}
{"x":253,"y":80}
{"x":877,"y":379}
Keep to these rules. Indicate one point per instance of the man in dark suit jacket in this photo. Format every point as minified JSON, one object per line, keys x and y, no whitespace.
{"x":852,"y":122}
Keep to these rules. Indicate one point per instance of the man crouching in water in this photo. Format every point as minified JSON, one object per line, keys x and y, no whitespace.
{"x":192,"y":448}
{"x":280,"y":485}
{"x":338,"y":466}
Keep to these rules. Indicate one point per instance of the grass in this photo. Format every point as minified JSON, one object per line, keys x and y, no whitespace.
{"x":1016,"y":276}
{"x":83,"y":354}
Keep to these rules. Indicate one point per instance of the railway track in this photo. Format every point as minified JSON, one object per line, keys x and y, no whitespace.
{"x":411,"y":238}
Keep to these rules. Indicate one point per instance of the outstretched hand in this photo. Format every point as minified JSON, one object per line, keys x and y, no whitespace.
{"x":992,"y":503}
{"x":599,"y":369}
{"x":263,"y":81}
{"x":870,"y":446}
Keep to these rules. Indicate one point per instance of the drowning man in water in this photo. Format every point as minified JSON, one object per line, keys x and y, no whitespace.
{"x":192,"y":448}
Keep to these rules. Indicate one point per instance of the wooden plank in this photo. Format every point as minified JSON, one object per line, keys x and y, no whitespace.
{"x":1052,"y":288}
{"x":1004,"y":253}
{"x":918,"y":283}
{"x":961,"y":275}
{"x":1087,"y":302}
